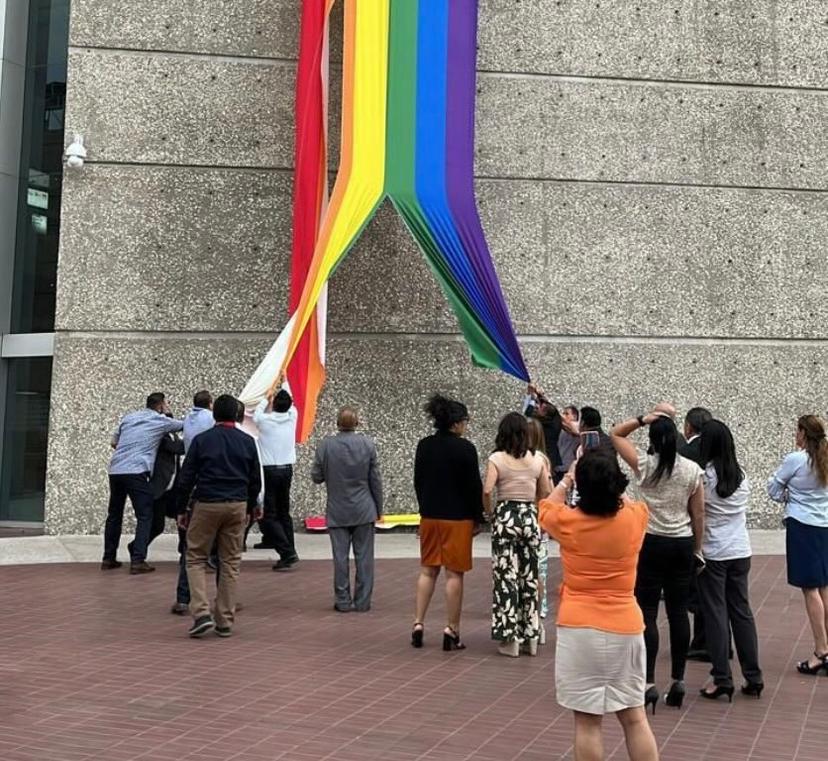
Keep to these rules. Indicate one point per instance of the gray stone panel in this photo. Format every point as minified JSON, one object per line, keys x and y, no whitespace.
{"x":96,"y":379}
{"x":170,"y":248}
{"x":584,"y":259}
{"x":750,"y":41}
{"x":262,"y":28}
{"x":541,"y":127}
{"x":168,"y":109}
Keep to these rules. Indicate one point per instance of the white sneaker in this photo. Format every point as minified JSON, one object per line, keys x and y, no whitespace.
{"x":509,"y":648}
{"x":542,"y":636}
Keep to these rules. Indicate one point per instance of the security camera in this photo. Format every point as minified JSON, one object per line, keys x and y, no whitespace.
{"x":76,"y":153}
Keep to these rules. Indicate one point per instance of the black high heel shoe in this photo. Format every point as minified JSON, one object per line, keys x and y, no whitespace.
{"x":753,"y":688}
{"x":417,"y":635}
{"x":804,"y":667}
{"x":675,"y":696}
{"x":651,"y":698}
{"x":451,"y":640}
{"x":718,"y":692}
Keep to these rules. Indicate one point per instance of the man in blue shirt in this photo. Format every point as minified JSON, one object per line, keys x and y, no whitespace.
{"x":136,"y":443}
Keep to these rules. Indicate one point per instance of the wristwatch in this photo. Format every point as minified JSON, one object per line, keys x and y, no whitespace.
{"x":640,"y":420}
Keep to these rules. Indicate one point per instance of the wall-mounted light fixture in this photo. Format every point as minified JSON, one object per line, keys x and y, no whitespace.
{"x":76,"y":153}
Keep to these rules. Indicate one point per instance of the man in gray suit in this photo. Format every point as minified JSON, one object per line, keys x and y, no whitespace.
{"x":347,"y":464}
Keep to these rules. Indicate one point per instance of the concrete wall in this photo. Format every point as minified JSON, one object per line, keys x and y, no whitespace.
{"x":651,"y":178}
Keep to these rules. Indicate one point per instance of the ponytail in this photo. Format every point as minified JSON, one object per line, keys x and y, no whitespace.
{"x":816,"y":445}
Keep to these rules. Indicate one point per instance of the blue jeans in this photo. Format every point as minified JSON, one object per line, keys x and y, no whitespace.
{"x":137,"y":487}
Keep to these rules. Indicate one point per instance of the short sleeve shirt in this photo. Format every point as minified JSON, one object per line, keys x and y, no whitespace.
{"x":668,"y":498}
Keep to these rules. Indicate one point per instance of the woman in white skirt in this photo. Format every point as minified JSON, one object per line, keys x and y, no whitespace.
{"x":600,"y":656}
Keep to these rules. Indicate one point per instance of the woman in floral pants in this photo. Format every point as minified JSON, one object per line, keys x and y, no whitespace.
{"x":519,"y":476}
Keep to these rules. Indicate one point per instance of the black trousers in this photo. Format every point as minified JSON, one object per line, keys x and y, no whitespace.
{"x":276,"y":525}
{"x":723,"y":588}
{"x":160,"y":512}
{"x":665,"y":565}
{"x":136,"y":486}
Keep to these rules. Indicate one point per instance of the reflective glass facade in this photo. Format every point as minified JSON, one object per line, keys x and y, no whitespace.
{"x":25,"y":381}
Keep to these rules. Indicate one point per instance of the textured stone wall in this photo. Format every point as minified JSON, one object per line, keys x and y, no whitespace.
{"x":651,"y":178}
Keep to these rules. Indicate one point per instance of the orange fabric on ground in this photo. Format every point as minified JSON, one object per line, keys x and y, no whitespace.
{"x":599,"y":556}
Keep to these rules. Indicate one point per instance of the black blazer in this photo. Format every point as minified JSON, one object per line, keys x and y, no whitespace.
{"x":166,"y":464}
{"x":447,"y":478}
{"x":692,"y":451}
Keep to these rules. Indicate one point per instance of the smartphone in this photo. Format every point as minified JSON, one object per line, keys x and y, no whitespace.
{"x":590,"y":440}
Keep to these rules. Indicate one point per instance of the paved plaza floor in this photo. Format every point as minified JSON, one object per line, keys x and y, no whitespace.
{"x":93,"y":666}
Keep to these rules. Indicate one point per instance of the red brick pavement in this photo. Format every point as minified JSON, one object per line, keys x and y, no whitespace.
{"x":93,"y":666}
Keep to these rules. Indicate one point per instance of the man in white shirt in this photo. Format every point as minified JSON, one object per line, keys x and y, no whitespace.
{"x":277,"y":443}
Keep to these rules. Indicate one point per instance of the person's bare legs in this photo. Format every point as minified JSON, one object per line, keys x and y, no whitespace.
{"x":641,"y":744}
{"x":425,"y":590}
{"x":454,"y":599}
{"x":589,"y":744}
{"x":817,"y":613}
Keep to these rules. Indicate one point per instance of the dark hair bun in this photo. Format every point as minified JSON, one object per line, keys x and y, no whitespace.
{"x":445,"y":412}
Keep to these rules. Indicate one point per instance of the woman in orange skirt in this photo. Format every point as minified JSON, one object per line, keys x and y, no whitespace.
{"x":449,"y":493}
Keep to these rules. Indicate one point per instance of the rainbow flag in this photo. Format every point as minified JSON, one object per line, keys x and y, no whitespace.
{"x":408,"y":96}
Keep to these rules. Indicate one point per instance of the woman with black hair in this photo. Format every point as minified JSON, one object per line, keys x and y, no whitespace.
{"x":448,"y":487}
{"x":671,"y":485}
{"x":520,"y":476}
{"x":723,"y":583}
{"x":801,"y":482}
{"x":600,"y":653}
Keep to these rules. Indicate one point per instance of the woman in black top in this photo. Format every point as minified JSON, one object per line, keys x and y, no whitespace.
{"x":449,"y":493}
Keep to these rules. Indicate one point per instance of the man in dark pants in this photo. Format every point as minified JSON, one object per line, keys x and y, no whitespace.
{"x":347,"y":465}
{"x":136,"y":443}
{"x":691,"y":449}
{"x":163,"y":483}
{"x":221,"y":473}
{"x":277,"y":442}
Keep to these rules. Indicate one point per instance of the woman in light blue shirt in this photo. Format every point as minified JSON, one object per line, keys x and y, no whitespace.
{"x":801,"y":482}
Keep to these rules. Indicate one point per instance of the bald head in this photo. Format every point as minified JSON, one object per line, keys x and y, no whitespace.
{"x":347,"y":419}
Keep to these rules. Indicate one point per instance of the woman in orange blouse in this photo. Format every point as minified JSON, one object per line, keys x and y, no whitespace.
{"x":600,"y":658}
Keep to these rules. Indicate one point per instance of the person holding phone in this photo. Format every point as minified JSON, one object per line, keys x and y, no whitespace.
{"x":672,"y":487}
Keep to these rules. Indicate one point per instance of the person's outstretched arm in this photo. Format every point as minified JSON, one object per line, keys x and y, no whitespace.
{"x":625,"y":448}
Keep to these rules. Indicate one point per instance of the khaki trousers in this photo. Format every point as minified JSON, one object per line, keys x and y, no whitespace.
{"x":223,"y":522}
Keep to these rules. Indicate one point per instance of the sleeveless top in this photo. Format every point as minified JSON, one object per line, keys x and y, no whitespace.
{"x":517,"y":480}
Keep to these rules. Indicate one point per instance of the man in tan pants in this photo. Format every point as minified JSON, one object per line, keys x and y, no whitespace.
{"x":222,"y":474}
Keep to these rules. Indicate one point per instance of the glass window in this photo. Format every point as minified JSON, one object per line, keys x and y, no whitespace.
{"x":36,"y":256}
{"x":23,"y":481}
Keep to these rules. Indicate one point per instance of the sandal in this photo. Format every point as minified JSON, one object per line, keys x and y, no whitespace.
{"x":451,"y":640}
{"x":417,"y":634}
{"x":805,"y":667}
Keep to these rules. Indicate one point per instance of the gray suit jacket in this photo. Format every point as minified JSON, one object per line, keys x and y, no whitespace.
{"x":347,"y":463}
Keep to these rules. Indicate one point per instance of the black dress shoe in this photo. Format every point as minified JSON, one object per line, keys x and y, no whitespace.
{"x":286,"y":565}
{"x":343,"y":608}
{"x":263,"y":546}
{"x":143,"y":567}
{"x":110,"y":565}
{"x":180,"y":609}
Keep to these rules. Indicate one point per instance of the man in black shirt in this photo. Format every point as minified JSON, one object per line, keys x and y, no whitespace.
{"x":223,"y":475}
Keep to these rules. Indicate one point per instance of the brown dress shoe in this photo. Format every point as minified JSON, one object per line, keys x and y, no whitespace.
{"x":144,"y":567}
{"x":110,"y":565}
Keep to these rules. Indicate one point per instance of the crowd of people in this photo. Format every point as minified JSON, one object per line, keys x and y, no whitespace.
{"x":678,"y":533}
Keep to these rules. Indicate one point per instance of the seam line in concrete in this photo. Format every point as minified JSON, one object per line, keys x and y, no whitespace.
{"x":457,"y":337}
{"x":483,"y":177}
{"x":494,"y":73}
{"x":195,"y":55}
{"x":649,"y":81}
{"x":650,"y":183}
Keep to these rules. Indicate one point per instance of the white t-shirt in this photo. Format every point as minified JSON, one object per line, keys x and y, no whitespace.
{"x":277,"y":435}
